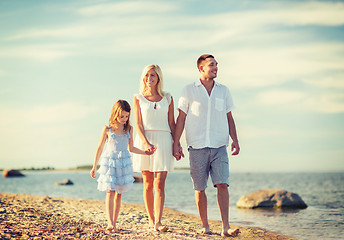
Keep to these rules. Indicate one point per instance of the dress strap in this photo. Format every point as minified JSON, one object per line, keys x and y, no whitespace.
{"x":110,"y":129}
{"x":168,"y":97}
{"x":139,"y":97}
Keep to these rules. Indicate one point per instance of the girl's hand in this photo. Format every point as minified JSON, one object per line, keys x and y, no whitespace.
{"x":93,"y":173}
{"x":151,"y":150}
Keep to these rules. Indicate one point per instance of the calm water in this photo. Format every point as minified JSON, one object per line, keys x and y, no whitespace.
{"x":323,"y":193}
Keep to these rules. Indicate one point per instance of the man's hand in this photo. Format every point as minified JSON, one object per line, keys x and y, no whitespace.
{"x":235,"y":145}
{"x":177,"y":151}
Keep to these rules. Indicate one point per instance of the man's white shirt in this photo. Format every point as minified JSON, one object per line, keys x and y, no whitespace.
{"x":206,"y":123}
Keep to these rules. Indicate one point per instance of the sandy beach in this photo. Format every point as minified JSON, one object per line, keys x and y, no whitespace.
{"x":40,"y":217}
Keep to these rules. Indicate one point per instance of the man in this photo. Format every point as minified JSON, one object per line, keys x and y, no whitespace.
{"x":205,"y":112}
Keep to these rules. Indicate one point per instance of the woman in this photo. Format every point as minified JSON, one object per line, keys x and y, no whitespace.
{"x":154,"y":117}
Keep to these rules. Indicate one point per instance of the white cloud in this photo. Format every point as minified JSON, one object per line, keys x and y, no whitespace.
{"x":65,"y":112}
{"x":44,"y":52}
{"x":113,"y":17}
{"x":128,"y":7}
{"x":251,"y":132}
{"x":331,"y":80}
{"x":280,"y":97}
{"x":326,"y":103}
{"x":47,"y":135}
{"x":119,"y":31}
{"x":44,"y":114}
{"x":273,"y":66}
{"x":284,"y":13}
{"x":316,"y":13}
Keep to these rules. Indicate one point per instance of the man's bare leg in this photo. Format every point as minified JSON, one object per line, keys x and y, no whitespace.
{"x":201,"y":202}
{"x":223,"y":202}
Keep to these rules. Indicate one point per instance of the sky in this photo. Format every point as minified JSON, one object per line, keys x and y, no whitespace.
{"x":64,"y":63}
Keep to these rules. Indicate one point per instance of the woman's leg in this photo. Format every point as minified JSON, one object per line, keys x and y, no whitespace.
{"x":117,"y":208}
{"x":159,"y":199}
{"x":148,"y":196}
{"x":110,"y":209}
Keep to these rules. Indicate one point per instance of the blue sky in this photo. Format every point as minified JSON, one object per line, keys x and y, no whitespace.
{"x":64,"y":63}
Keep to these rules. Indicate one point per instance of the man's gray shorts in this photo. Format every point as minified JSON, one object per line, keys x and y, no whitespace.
{"x":208,"y":160}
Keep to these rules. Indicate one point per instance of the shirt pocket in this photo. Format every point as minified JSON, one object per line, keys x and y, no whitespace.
{"x":195,"y":108}
{"x":219,"y":104}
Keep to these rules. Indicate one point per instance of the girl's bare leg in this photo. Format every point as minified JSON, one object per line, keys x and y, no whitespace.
{"x":109,"y":205}
{"x":117,"y":202}
{"x":148,"y":196}
{"x":159,"y":199}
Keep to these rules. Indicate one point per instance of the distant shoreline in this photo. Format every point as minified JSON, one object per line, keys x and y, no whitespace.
{"x":28,"y":216}
{"x":82,"y":168}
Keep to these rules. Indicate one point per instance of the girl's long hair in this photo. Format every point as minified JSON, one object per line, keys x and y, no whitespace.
{"x":159,"y":86}
{"x":118,"y":107}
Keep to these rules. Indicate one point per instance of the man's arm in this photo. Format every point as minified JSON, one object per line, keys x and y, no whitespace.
{"x":233,"y":134}
{"x":177,"y":149}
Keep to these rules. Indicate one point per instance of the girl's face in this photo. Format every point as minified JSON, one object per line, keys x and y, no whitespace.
{"x":151,"y":79}
{"x":123,"y":117}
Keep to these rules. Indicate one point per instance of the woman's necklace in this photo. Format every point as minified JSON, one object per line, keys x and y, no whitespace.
{"x":153,"y":98}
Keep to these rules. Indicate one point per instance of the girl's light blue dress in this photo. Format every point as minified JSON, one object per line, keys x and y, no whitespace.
{"x":115,"y":164}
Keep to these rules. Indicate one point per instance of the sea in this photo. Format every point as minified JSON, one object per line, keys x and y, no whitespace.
{"x":322,"y":192}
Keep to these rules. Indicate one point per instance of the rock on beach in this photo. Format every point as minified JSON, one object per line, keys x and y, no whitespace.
{"x":271,"y":198}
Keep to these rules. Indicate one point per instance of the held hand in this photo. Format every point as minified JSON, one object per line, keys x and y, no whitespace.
{"x":93,"y":173}
{"x":235,"y":145}
{"x":177,"y":151}
{"x":181,"y":151}
{"x":148,"y":147}
{"x":151,"y":150}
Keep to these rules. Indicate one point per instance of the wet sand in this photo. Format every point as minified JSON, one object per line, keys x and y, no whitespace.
{"x":36,"y":217}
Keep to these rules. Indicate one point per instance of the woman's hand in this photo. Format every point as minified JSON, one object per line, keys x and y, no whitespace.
{"x":148,"y":147}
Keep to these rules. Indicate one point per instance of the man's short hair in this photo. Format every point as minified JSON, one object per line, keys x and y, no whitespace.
{"x":202,"y":58}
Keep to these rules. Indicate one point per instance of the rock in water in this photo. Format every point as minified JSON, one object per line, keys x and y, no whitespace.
{"x":138,"y":179}
{"x":65,"y":182}
{"x":271,"y":198}
{"x":12,"y":173}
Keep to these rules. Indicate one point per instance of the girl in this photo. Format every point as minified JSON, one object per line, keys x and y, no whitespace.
{"x":115,"y":162}
{"x":154,"y":116}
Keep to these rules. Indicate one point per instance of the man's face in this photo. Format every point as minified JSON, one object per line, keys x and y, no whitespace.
{"x":209,"y":68}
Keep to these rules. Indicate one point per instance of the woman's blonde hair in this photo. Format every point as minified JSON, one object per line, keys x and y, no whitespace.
{"x":117,"y":109}
{"x":159,"y":85}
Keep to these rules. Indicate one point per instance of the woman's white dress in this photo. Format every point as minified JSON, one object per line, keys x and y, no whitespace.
{"x":157,"y":131}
